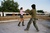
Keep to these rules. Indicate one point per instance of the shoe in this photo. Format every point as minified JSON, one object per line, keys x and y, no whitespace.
{"x":25,"y":29}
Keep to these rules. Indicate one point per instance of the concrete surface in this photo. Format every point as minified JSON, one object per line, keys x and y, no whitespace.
{"x":11,"y":27}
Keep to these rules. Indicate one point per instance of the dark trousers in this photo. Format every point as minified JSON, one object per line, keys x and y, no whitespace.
{"x":34,"y":23}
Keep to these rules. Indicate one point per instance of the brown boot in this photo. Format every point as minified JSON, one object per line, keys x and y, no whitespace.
{"x":23,"y":23}
{"x":19,"y":23}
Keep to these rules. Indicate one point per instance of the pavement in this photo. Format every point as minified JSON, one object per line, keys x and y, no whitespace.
{"x":10,"y":26}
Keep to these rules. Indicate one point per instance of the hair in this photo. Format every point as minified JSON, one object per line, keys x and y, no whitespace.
{"x":21,"y":8}
{"x":33,"y":6}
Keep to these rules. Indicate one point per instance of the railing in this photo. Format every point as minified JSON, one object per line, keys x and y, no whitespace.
{"x":11,"y":13}
{"x":17,"y":13}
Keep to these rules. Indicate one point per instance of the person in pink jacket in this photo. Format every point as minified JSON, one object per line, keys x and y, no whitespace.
{"x":21,"y":17}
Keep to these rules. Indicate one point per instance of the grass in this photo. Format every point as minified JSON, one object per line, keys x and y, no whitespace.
{"x":43,"y":17}
{"x":25,"y":17}
{"x":12,"y":17}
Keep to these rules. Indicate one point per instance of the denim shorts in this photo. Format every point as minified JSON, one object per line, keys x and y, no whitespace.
{"x":21,"y":16}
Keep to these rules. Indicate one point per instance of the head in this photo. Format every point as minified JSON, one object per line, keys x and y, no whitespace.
{"x":21,"y":8}
{"x":33,"y":6}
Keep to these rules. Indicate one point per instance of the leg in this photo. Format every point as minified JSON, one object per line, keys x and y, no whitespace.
{"x":28,"y":25}
{"x":34,"y":23}
{"x":19,"y":22}
{"x":23,"y":23}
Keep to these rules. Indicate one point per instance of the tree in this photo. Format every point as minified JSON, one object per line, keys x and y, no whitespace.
{"x":9,"y":6}
{"x":40,"y":11}
{"x":0,"y":8}
{"x":27,"y":10}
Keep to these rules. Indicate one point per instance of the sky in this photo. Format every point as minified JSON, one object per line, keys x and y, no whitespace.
{"x":40,"y":4}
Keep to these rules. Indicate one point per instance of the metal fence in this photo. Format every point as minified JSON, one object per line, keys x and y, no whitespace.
{"x":17,"y":13}
{"x":11,"y":13}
